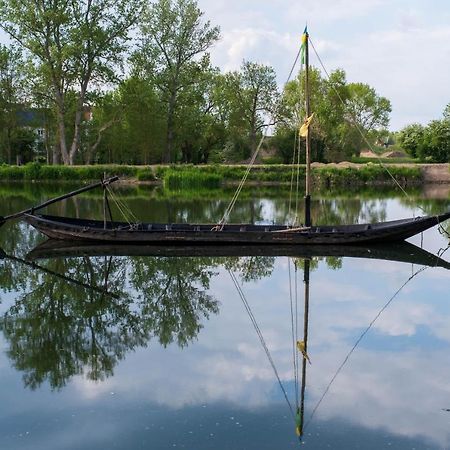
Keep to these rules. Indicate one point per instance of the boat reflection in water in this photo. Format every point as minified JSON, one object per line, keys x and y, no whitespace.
{"x":84,"y":306}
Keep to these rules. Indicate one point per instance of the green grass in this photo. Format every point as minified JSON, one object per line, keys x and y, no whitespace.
{"x":177,"y":180}
{"x":177,"y":177}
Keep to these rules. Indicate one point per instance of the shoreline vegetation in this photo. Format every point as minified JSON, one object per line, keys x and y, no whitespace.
{"x":179,"y":177}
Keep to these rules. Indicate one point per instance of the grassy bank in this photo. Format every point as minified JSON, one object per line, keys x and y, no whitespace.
{"x":215,"y":176}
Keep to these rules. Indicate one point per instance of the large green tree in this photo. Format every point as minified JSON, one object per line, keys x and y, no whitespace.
{"x":436,"y":142}
{"x":12,"y":87}
{"x":411,"y":138}
{"x":128,"y":125}
{"x":72,"y":45}
{"x":173,"y":52}
{"x":428,"y":143}
{"x":251,"y":96}
{"x":343,"y":113}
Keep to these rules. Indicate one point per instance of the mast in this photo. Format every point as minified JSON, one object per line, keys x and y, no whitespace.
{"x":308,"y":137}
{"x":305,"y":340}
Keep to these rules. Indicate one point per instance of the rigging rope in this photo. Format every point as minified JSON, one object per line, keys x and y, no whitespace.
{"x":359,"y":128}
{"x":261,"y":338}
{"x":294,"y":152}
{"x":363,"y":334}
{"x":298,"y":181}
{"x":230,"y":207}
{"x":295,"y":165}
{"x":126,"y":212}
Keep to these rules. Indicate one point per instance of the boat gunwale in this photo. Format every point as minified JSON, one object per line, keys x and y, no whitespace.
{"x":78,"y":229}
{"x":151,"y":227}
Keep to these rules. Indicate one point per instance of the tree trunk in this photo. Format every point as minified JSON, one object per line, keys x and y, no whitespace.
{"x":167,"y":157}
{"x":78,"y":118}
{"x":253,"y":140}
{"x":8,"y":145}
{"x":253,"y":127}
{"x":56,"y":152}
{"x":76,"y":134}
{"x":61,"y":129}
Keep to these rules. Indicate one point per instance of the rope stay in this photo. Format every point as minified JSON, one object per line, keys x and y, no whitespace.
{"x":295,"y":171}
{"x":364,"y":137}
{"x":124,"y":210}
{"x":360,"y":131}
{"x":261,"y":338}
{"x":364,"y":333}
{"x":232,"y":203}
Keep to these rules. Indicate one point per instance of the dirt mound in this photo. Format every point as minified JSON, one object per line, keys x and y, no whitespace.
{"x":394,"y":154}
{"x":368,"y":154}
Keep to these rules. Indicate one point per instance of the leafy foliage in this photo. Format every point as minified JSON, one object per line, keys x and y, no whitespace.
{"x":70,"y":45}
{"x":342,"y":112}
{"x":172,"y":55}
{"x":430,"y":143}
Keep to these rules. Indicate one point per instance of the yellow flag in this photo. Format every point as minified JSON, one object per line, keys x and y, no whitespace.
{"x":303,"y":46}
{"x":301,"y":348}
{"x":304,"y":129}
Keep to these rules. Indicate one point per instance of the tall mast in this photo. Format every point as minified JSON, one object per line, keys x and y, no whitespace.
{"x":307,"y":263}
{"x":308,"y":137}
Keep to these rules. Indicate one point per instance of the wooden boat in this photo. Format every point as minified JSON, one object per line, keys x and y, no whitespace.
{"x":152,"y":233}
{"x":223,"y":233}
{"x":399,"y":251}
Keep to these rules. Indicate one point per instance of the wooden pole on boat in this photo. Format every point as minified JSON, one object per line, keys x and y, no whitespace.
{"x":105,"y":199}
{"x":308,"y":138}
{"x":305,"y":341}
{"x":57,"y":199}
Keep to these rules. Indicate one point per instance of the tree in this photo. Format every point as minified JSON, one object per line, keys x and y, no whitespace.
{"x":11,"y":95}
{"x":411,"y":138}
{"x":200,"y":125}
{"x":71,"y":46}
{"x":128,"y":125}
{"x":436,"y":142}
{"x":342,"y":112}
{"x":252,"y":97}
{"x":173,"y":52}
{"x":446,"y":112}
{"x":328,"y":101}
{"x":366,"y":108}
{"x":366,"y":112}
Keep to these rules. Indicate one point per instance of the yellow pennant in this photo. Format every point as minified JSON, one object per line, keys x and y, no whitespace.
{"x":304,"y":129}
{"x":301,"y":347}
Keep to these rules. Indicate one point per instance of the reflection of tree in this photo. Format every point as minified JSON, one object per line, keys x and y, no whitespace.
{"x":251,"y":268}
{"x":173,"y":295}
{"x":338,"y":211}
{"x":57,"y":329}
{"x":429,"y":207}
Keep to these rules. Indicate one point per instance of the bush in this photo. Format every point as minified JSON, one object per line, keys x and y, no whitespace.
{"x":146,"y":175}
{"x":190,"y":179}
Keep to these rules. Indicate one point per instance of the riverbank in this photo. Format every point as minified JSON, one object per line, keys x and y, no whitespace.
{"x":213,"y":176}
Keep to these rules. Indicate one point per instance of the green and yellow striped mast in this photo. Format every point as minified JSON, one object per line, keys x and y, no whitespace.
{"x":304,"y":129}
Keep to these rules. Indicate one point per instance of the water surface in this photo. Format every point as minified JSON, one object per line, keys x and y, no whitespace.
{"x":134,"y":352}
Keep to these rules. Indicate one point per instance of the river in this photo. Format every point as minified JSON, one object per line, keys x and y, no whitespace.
{"x":162,"y":352}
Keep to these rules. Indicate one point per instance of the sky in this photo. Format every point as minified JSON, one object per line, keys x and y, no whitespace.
{"x":400,"y":47}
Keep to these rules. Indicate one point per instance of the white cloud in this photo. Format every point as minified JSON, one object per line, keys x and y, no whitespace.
{"x":402,"y":50}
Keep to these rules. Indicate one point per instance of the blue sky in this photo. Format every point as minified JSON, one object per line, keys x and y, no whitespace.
{"x":400,"y":47}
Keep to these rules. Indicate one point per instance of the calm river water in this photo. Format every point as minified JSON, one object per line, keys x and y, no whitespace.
{"x":106,"y":351}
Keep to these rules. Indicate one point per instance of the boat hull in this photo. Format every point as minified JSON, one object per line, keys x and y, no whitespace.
{"x":150,"y":233}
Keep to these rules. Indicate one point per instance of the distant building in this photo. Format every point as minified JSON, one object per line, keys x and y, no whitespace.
{"x":35,"y":119}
